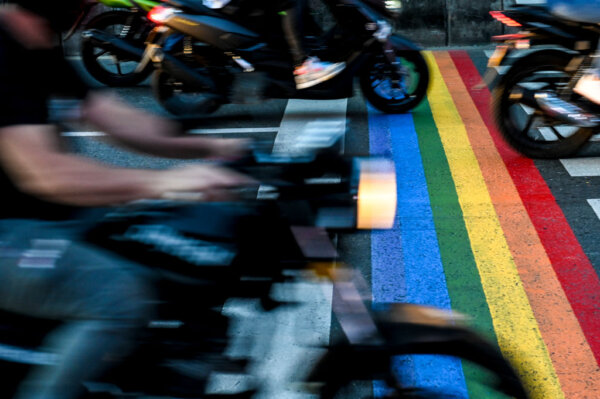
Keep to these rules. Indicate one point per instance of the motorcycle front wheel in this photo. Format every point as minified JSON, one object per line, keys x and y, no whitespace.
{"x":529,"y":131}
{"x":108,"y":68}
{"x":350,"y":370}
{"x":398,"y":87}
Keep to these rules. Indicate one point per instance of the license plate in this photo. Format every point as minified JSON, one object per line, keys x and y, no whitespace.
{"x":497,"y":57}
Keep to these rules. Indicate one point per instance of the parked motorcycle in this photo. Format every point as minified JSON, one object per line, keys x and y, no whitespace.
{"x":126,"y":22}
{"x":533,"y":74}
{"x":208,"y":57}
{"x":208,"y":253}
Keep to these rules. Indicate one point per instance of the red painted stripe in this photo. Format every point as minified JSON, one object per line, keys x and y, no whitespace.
{"x":573,"y":268}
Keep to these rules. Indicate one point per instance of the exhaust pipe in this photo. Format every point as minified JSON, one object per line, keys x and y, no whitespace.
{"x":115,"y":45}
{"x":552,"y":105}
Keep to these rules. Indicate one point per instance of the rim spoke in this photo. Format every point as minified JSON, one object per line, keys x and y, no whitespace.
{"x":555,"y":131}
{"x":530,"y":121}
{"x":100,"y":54}
{"x":118,"y":65}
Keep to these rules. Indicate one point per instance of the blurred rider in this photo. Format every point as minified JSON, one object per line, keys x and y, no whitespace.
{"x":45,"y":271}
{"x":582,"y":11}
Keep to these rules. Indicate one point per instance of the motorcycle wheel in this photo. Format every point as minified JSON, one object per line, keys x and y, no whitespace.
{"x":107,"y":68}
{"x":171,"y":94}
{"x":500,"y":382}
{"x":528,"y":131}
{"x":385,"y":92}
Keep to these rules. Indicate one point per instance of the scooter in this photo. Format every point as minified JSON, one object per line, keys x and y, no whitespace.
{"x":204,"y":254}
{"x":533,"y":73}
{"x":207,"y":57}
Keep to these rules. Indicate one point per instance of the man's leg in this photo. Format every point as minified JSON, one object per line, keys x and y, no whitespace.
{"x":308,"y":71}
{"x":102,"y":299}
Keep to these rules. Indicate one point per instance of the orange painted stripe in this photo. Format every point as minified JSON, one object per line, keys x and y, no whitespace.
{"x":571,"y":355}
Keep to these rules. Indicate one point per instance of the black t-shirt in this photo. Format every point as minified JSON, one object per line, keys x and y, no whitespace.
{"x":28,"y":78}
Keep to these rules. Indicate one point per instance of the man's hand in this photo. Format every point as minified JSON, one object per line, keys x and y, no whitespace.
{"x":228,"y":149}
{"x":199,"y":182}
{"x":31,"y":30}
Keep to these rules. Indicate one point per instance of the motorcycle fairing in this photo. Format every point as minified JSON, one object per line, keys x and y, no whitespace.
{"x":218,"y":32}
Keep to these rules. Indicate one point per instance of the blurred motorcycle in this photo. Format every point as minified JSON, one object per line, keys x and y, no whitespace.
{"x":533,"y":73}
{"x":206,"y":253}
{"x":207,"y":57}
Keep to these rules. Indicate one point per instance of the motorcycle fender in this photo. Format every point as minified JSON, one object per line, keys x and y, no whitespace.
{"x":402,"y":43}
{"x":514,"y":58}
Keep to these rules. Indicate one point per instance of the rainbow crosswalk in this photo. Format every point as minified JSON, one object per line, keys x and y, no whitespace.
{"x":479,"y":231}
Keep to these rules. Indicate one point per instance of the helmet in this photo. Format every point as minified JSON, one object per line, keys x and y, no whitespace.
{"x":61,"y":14}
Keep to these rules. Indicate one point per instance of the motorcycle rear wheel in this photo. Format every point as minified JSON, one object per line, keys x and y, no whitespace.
{"x":110,"y":69}
{"x":171,"y":94}
{"x":381,"y":86}
{"x":528,"y":131}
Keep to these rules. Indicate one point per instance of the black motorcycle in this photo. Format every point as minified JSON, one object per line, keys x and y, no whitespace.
{"x":207,"y":253}
{"x":533,"y":73}
{"x":236,"y":54}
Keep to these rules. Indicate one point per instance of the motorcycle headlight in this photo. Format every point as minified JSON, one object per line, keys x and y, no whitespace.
{"x":376,"y":194}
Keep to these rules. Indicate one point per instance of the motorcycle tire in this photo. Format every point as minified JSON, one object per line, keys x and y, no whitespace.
{"x":111,"y":73}
{"x":531,"y":133}
{"x":384,"y":93}
{"x":343,"y":371}
{"x":170,"y":94}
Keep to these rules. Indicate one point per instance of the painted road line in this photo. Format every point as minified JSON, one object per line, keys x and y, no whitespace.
{"x":235,"y":130}
{"x":417,"y":259}
{"x":559,"y":327}
{"x":83,"y":134}
{"x":572,"y":267}
{"x":462,"y":275}
{"x":518,"y":333}
{"x":248,"y":130}
{"x":309,"y":323}
{"x":301,"y":115}
{"x":582,"y":167}
{"x":595,"y":204}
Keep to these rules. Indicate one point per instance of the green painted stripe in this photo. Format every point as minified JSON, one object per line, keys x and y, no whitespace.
{"x":462,"y":275}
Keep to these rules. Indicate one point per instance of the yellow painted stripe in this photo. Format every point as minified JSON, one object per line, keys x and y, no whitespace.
{"x":516,"y":328}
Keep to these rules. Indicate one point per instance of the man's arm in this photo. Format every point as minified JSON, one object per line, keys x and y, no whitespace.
{"x":33,"y":160}
{"x":151,"y":134}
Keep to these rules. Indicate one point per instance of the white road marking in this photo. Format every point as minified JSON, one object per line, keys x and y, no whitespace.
{"x":302,"y":115}
{"x":289,"y":335}
{"x":192,"y":131}
{"x":235,"y":130}
{"x":581,"y":167}
{"x":595,"y":204}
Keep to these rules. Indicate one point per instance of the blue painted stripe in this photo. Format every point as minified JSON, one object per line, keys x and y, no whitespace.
{"x":406,"y":260}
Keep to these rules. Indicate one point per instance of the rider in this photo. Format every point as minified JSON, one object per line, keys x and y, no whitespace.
{"x":586,"y":11}
{"x":308,"y":71}
{"x":45,"y":270}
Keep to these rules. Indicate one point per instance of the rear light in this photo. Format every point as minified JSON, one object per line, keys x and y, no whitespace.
{"x":160,"y":14}
{"x":499,"y":16}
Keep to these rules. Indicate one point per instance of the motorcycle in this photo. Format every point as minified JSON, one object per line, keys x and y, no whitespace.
{"x":208,"y":253}
{"x":126,"y":22}
{"x":206,"y":57}
{"x":533,"y":73}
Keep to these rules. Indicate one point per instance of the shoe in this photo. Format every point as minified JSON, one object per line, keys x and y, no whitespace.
{"x":588,"y":86}
{"x":314,"y":71}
